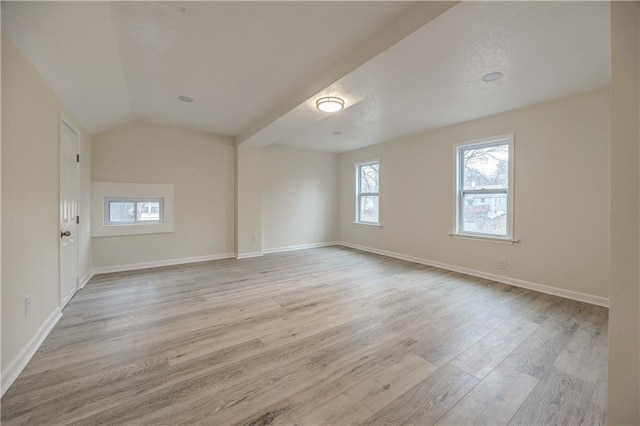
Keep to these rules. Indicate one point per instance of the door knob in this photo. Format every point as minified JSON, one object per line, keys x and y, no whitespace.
{"x":65,"y":234}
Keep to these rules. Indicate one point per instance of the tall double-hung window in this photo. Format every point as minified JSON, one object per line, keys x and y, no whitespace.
{"x":484,"y":186}
{"x":368,"y":196}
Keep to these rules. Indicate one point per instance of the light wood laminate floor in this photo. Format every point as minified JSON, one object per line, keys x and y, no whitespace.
{"x":321,"y":336}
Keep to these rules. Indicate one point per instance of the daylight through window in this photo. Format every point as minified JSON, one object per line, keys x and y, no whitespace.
{"x":484,"y":188}
{"x":129,"y":211}
{"x":367,"y":187}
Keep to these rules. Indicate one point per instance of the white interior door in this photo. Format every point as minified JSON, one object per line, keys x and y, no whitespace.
{"x":69,"y":181}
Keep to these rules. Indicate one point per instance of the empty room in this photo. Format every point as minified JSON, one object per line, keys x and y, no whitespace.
{"x":320,"y":213}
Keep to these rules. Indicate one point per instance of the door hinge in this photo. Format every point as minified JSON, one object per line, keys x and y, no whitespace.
{"x":77,"y":158}
{"x":78,"y":219}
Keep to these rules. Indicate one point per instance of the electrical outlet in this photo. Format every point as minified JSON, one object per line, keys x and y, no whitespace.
{"x":254,"y":238}
{"x":502,"y":264}
{"x":27,"y":305}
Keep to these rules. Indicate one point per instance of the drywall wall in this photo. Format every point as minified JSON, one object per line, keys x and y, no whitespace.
{"x":624,"y":340}
{"x":85,"y":247}
{"x":299,"y":197}
{"x":562,"y":190}
{"x":1,"y":365}
{"x":199,"y":165}
{"x":248,"y":202}
{"x":30,"y":208}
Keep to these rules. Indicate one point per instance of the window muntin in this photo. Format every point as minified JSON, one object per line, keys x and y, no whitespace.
{"x":133,"y":211}
{"x":485,"y":188}
{"x":368,"y":192}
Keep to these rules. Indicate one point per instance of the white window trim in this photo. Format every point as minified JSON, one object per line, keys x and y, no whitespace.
{"x":135,"y":201}
{"x":357,"y":220}
{"x":100,"y":191}
{"x":485,"y":142}
{"x":368,"y":224}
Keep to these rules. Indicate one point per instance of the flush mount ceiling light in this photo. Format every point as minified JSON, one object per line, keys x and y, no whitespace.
{"x":492,"y":76}
{"x":185,"y":99}
{"x":330,"y":104}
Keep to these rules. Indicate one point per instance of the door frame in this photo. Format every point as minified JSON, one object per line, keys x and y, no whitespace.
{"x":66,"y":120}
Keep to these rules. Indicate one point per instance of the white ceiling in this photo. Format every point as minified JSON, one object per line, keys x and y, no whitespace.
{"x":432,"y":78}
{"x":73,"y":47}
{"x":244,"y":62}
{"x":113,"y":62}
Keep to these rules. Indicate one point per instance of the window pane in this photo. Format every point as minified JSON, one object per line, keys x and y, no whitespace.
{"x":486,"y":168}
{"x":149,"y":211}
{"x":121,"y":211}
{"x":485,"y":213}
{"x":369,"y":208}
{"x":369,"y":178}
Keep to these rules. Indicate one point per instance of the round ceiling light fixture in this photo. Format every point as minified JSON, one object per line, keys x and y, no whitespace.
{"x":492,"y":76}
{"x":330,"y":104}
{"x":185,"y":99}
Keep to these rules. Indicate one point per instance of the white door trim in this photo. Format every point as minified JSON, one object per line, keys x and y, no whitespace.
{"x":65,"y":120}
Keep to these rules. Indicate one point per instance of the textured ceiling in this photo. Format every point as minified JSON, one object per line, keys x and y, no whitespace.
{"x":432,"y":78}
{"x":73,"y":45}
{"x":256,"y":68}
{"x":113,"y":62}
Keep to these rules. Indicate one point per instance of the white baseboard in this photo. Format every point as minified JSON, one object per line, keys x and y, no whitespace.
{"x":84,"y":280}
{"x":18,"y":364}
{"x":299,"y":247}
{"x":157,"y":263}
{"x":247,"y":255}
{"x":555,"y":291}
{"x":68,"y":298}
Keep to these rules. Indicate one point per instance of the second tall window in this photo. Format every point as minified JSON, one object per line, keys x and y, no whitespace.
{"x":367,"y":187}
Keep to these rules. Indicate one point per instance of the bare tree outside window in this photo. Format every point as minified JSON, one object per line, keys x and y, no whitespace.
{"x":133,"y":211}
{"x":483,"y":204}
{"x":148,"y":211}
{"x":368,"y":192}
{"x":122,"y":211}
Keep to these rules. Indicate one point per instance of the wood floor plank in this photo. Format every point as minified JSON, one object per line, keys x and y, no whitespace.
{"x":296,"y":407}
{"x":596,"y":411}
{"x":364,"y":399}
{"x":427,"y":401}
{"x":328,"y":335}
{"x":584,"y":355}
{"x":494,"y":400}
{"x":536,"y":354}
{"x":444,"y":349}
{"x":558,"y":399}
{"x":481,"y":358}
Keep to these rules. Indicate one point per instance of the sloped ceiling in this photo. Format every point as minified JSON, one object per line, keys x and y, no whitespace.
{"x":255,"y":69}
{"x":114,"y":62}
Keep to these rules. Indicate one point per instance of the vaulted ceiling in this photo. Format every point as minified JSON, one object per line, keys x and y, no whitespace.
{"x":254,"y":69}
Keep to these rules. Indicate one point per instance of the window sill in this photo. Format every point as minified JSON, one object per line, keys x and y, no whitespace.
{"x":111,"y":224}
{"x":372,"y":225}
{"x":131,"y":229}
{"x":103,"y":191}
{"x":483,"y":238}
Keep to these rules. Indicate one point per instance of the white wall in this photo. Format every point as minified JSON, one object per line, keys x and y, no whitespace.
{"x":562,"y":192}
{"x":624,"y":319}
{"x":248,"y":201}
{"x":299,"y":197}
{"x":201,"y":168}
{"x":30,"y":207}
{"x":85,"y":246}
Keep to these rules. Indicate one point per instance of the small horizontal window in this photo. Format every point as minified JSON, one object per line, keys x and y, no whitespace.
{"x":133,"y":211}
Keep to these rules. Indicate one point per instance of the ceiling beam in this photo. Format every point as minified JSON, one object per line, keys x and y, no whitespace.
{"x":408,"y":22}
